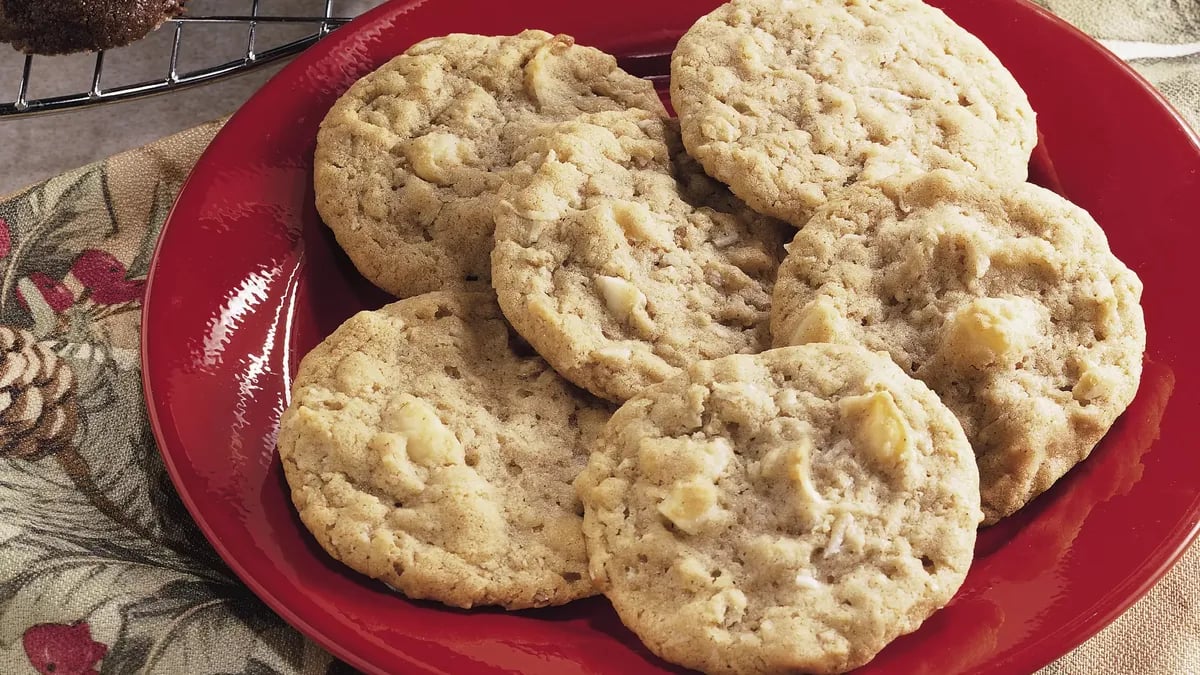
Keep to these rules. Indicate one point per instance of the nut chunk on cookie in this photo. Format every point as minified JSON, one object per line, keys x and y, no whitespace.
{"x":790,"y":511}
{"x":410,"y":158}
{"x":788,"y":101}
{"x":621,"y":262}
{"x":450,"y":482}
{"x":1006,"y":301}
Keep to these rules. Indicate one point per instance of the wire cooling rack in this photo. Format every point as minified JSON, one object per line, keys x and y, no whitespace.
{"x":173,"y":80}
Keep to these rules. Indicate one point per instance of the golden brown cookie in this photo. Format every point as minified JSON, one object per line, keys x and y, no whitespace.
{"x":1006,"y":301}
{"x":620,"y":269}
{"x":427,"y":447}
{"x":790,"y":511}
{"x":789,"y":101}
{"x":410,"y":158}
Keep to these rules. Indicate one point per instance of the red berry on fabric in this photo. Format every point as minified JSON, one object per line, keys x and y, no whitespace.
{"x":104,"y":277}
{"x":62,"y":649}
{"x":98,"y":269}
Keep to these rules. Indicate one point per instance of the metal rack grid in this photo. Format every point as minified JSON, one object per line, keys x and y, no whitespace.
{"x":173,"y":80}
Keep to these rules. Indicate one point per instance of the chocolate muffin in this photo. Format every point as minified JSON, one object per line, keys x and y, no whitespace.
{"x":65,"y":26}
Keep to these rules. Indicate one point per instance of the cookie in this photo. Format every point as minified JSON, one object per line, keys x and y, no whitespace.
{"x":68,"y":26}
{"x":790,"y":511}
{"x":1006,"y":301}
{"x":427,"y":447}
{"x":790,"y":101}
{"x":621,"y":272}
{"x":410,"y":158}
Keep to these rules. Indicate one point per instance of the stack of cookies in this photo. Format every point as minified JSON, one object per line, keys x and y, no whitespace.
{"x":611,"y":373}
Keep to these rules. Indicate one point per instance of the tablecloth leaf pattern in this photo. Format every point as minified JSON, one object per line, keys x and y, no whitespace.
{"x":101,"y":568}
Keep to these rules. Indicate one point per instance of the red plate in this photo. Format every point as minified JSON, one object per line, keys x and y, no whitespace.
{"x":246,"y":279}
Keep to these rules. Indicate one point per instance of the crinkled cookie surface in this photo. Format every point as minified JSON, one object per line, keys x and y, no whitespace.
{"x":410,"y":159}
{"x":788,"y":101}
{"x":1006,"y":301}
{"x":427,"y":447}
{"x":790,"y":511}
{"x":621,"y":262}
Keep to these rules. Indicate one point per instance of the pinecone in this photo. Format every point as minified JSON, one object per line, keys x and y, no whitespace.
{"x":38,"y":408}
